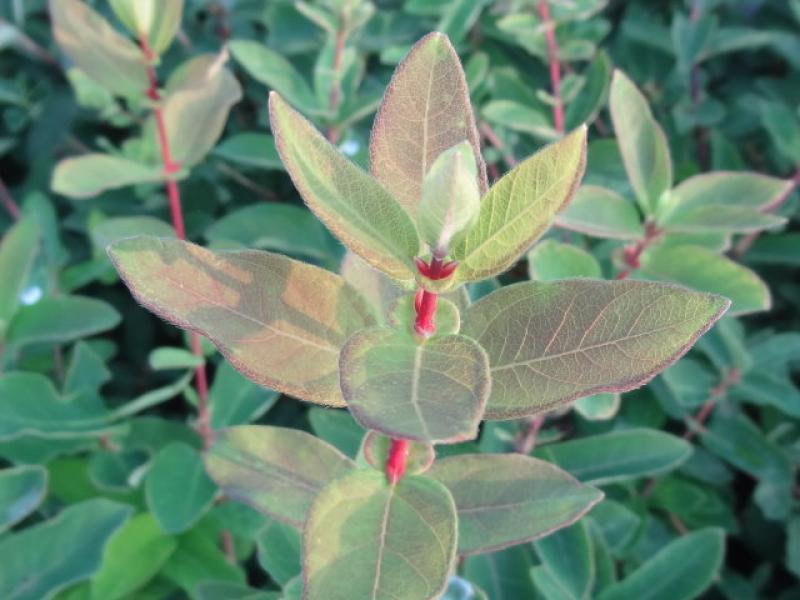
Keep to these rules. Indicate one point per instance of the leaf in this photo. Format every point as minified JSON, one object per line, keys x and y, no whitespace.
{"x":235,"y":400}
{"x":704,"y":269}
{"x":22,"y":490}
{"x":504,"y":574}
{"x":278,"y":321}
{"x":618,"y":455}
{"x":430,"y":391}
{"x":41,"y":560}
{"x":29,"y":404}
{"x":568,"y":557}
{"x":550,"y":343}
{"x":204,"y":98}
{"x":275,"y":470}
{"x":158,"y":21}
{"x":273,"y":70}
{"x":520,"y":207}
{"x":91,"y":174}
{"x":279,"y":551}
{"x":338,"y":428}
{"x":173,"y":358}
{"x":177,"y":489}
{"x":601,"y":212}
{"x":550,"y":260}
{"x":598,"y":407}
{"x":107,"y":232}
{"x":680,"y":571}
{"x":352,"y":204}
{"x":200,"y":558}
{"x":132,"y":557}
{"x":254,"y":150}
{"x":60,"y":320}
{"x":642,"y":142}
{"x":18,"y":250}
{"x":520,"y":117}
{"x":508,"y":499}
{"x":425,"y":111}
{"x":97,"y":49}
{"x":593,"y":95}
{"x":402,"y":537}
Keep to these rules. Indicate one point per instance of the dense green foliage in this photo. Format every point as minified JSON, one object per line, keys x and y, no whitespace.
{"x":121,"y":476}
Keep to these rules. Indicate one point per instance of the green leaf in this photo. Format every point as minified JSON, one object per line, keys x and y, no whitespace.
{"x":173,"y":358}
{"x":235,"y":400}
{"x":642,"y":143}
{"x":520,"y":207}
{"x":429,"y":391}
{"x":425,"y":111}
{"x":278,"y":321}
{"x":680,"y":571}
{"x":601,"y":212}
{"x":204,"y":97}
{"x":377,"y":449}
{"x":255,"y":150}
{"x":504,"y":574}
{"x":90,"y":174}
{"x":60,"y":320}
{"x":377,"y":288}
{"x":107,"y":232}
{"x":29,"y":404}
{"x":550,"y":343}
{"x":568,"y":557}
{"x":598,"y":407}
{"x":706,"y":270}
{"x":402,"y":537}
{"x":550,"y":260}
{"x":338,"y":428}
{"x":520,"y":117}
{"x":18,"y":249}
{"x":97,"y":49}
{"x":275,"y":470}
{"x":200,"y":558}
{"x":279,"y":551}
{"x":343,"y":196}
{"x":273,"y":70}
{"x":43,"y":559}
{"x":157,"y":21}
{"x":132,"y":557}
{"x":618,"y":524}
{"x":22,"y":490}
{"x":593,"y":95}
{"x":508,"y":499}
{"x":177,"y":488}
{"x":618,"y":455}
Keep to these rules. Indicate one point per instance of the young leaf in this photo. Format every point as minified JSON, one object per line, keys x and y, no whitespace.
{"x":91,"y":174}
{"x":177,"y":489}
{"x":682,"y":570}
{"x":508,"y":499}
{"x":97,"y":49}
{"x":351,"y":203}
{"x":22,"y":489}
{"x":278,"y":321}
{"x":402,"y":537}
{"x":425,"y":111}
{"x":520,"y":207}
{"x":18,"y":249}
{"x":642,"y":143}
{"x":275,"y":470}
{"x":704,"y":269}
{"x":552,"y":343}
{"x":430,"y":391}
{"x":157,"y":21}
{"x":551,"y":260}
{"x":601,"y":212}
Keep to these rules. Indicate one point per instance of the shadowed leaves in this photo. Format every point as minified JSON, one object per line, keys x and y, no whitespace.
{"x":552,"y":343}
{"x":278,"y":321}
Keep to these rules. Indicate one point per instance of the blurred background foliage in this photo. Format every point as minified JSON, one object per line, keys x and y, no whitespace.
{"x":102,"y":490}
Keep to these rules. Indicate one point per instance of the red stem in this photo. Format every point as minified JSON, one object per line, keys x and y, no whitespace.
{"x":555,"y":66}
{"x":8,"y":201}
{"x":633,"y":254}
{"x":176,"y":212}
{"x":731,"y":378}
{"x":396,"y":463}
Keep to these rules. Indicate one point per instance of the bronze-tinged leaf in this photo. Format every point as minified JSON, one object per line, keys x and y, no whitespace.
{"x":355,"y":207}
{"x":425,"y":111}
{"x":280,"y":322}
{"x":550,"y":343}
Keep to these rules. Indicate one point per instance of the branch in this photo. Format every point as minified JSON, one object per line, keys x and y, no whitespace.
{"x":555,"y":66}
{"x":8,"y":201}
{"x":633,"y":254}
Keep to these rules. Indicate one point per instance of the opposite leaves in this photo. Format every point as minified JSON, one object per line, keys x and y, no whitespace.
{"x":280,"y":322}
{"x":552,"y":343}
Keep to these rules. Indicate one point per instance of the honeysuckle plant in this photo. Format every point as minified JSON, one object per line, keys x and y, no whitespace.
{"x":394,"y":340}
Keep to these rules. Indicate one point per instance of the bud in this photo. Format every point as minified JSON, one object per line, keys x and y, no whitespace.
{"x":450,"y":197}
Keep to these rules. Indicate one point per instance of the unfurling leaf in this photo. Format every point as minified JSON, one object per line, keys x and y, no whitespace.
{"x":275,"y":470}
{"x":430,"y":391}
{"x":507,"y":499}
{"x":97,"y":49}
{"x":349,"y":201}
{"x":425,"y":111}
{"x":91,"y":174}
{"x":550,"y":343}
{"x":520,"y":207}
{"x":450,"y":197}
{"x":401,"y":537}
{"x":642,"y":143}
{"x":280,"y":322}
